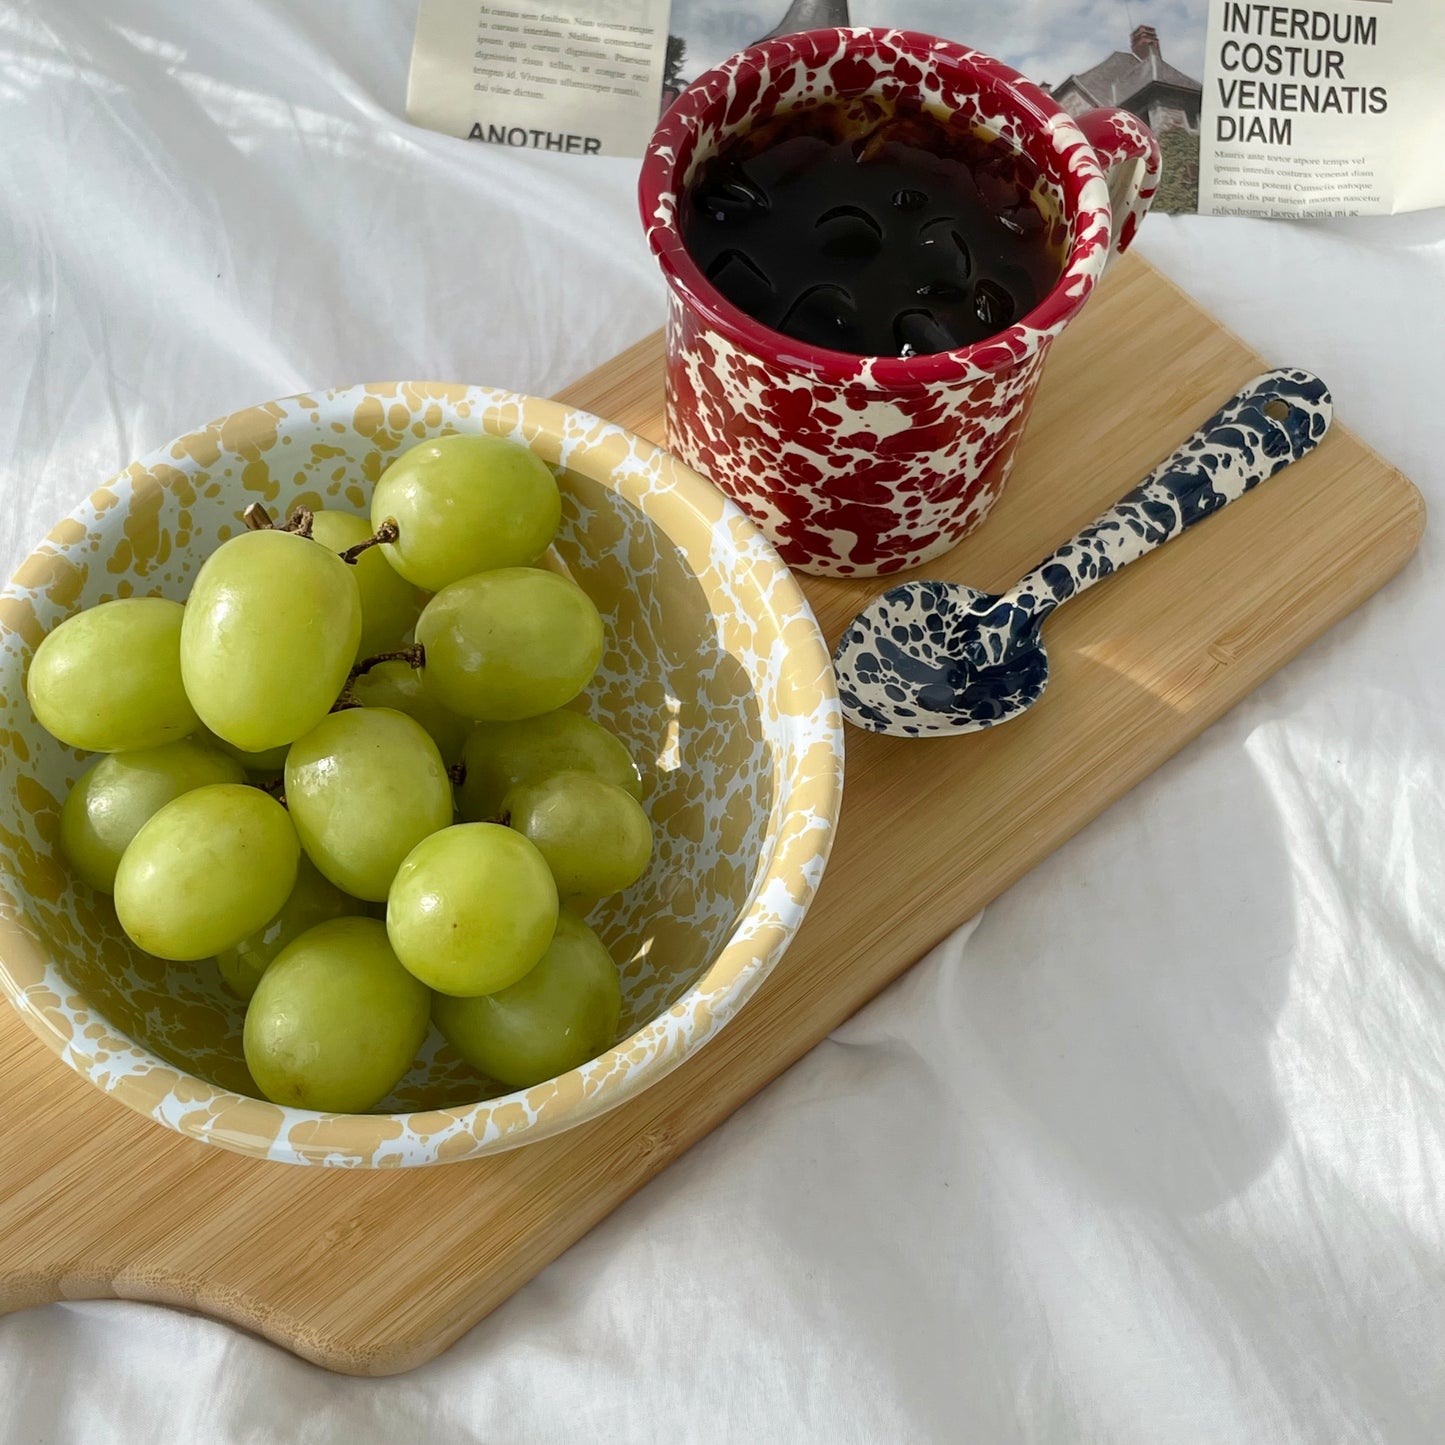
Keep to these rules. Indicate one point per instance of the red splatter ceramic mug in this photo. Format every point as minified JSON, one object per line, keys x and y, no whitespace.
{"x":856,"y":465}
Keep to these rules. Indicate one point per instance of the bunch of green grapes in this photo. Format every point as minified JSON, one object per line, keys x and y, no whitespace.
{"x":346,"y":770}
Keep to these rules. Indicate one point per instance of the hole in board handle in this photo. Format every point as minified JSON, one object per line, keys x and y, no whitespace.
{"x":1276,"y":409}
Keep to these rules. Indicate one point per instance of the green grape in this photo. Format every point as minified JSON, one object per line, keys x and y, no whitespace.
{"x":398,"y":685}
{"x":509,"y":644}
{"x":336,"y":1021}
{"x":267,"y":763}
{"x":364,"y":787}
{"x":109,"y":678}
{"x":499,"y":755}
{"x":120,"y":793}
{"x":594,"y":835}
{"x":472,"y":908}
{"x":389,"y":603}
{"x":210,"y":867}
{"x":561,"y":1013}
{"x":313,"y":900}
{"x":269,"y":636}
{"x":465,"y":504}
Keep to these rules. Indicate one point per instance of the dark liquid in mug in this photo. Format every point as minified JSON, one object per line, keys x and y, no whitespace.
{"x":905,"y":238}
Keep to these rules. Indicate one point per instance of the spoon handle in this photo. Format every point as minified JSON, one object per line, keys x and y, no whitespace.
{"x":1273,"y":421}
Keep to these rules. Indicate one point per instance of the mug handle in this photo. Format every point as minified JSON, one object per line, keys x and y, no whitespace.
{"x":1129,"y":156}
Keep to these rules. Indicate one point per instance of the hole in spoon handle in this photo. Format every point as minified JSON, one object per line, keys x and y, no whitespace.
{"x":1274,"y":420}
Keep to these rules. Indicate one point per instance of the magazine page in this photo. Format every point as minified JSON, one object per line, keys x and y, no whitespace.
{"x":1292,"y":111}
{"x":1331,"y":109}
{"x":580,"y":76}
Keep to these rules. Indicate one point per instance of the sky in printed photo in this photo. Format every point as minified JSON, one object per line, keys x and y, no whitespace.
{"x":1045,"y":39}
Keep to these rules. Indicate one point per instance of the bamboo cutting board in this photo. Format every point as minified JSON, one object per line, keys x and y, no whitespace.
{"x":372,"y":1272}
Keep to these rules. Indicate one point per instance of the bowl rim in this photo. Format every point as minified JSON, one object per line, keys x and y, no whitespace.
{"x":49,"y":1003}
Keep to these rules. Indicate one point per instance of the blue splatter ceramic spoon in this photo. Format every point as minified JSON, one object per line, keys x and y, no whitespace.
{"x":930,"y":658}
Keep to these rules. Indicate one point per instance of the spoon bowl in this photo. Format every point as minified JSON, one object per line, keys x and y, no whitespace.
{"x":909,"y":664}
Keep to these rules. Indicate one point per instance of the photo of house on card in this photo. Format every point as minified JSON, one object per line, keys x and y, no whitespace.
{"x":1065,"y":53}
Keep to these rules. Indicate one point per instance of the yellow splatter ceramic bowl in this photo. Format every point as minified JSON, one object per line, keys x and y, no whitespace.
{"x":715,"y":675}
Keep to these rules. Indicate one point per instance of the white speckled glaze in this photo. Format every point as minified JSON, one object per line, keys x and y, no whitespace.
{"x":714,"y":674}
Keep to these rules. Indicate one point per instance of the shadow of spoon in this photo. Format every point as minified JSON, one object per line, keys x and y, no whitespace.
{"x":930,"y":658}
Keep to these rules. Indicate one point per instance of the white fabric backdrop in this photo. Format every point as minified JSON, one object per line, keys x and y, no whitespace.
{"x":1154,"y":1152}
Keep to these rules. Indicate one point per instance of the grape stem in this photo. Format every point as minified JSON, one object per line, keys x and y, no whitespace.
{"x":346,"y":699}
{"x":457,"y":772}
{"x":413,"y":656}
{"x":258,"y":519}
{"x":387,"y":532}
{"x":276,"y":787}
{"x":300,"y":522}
